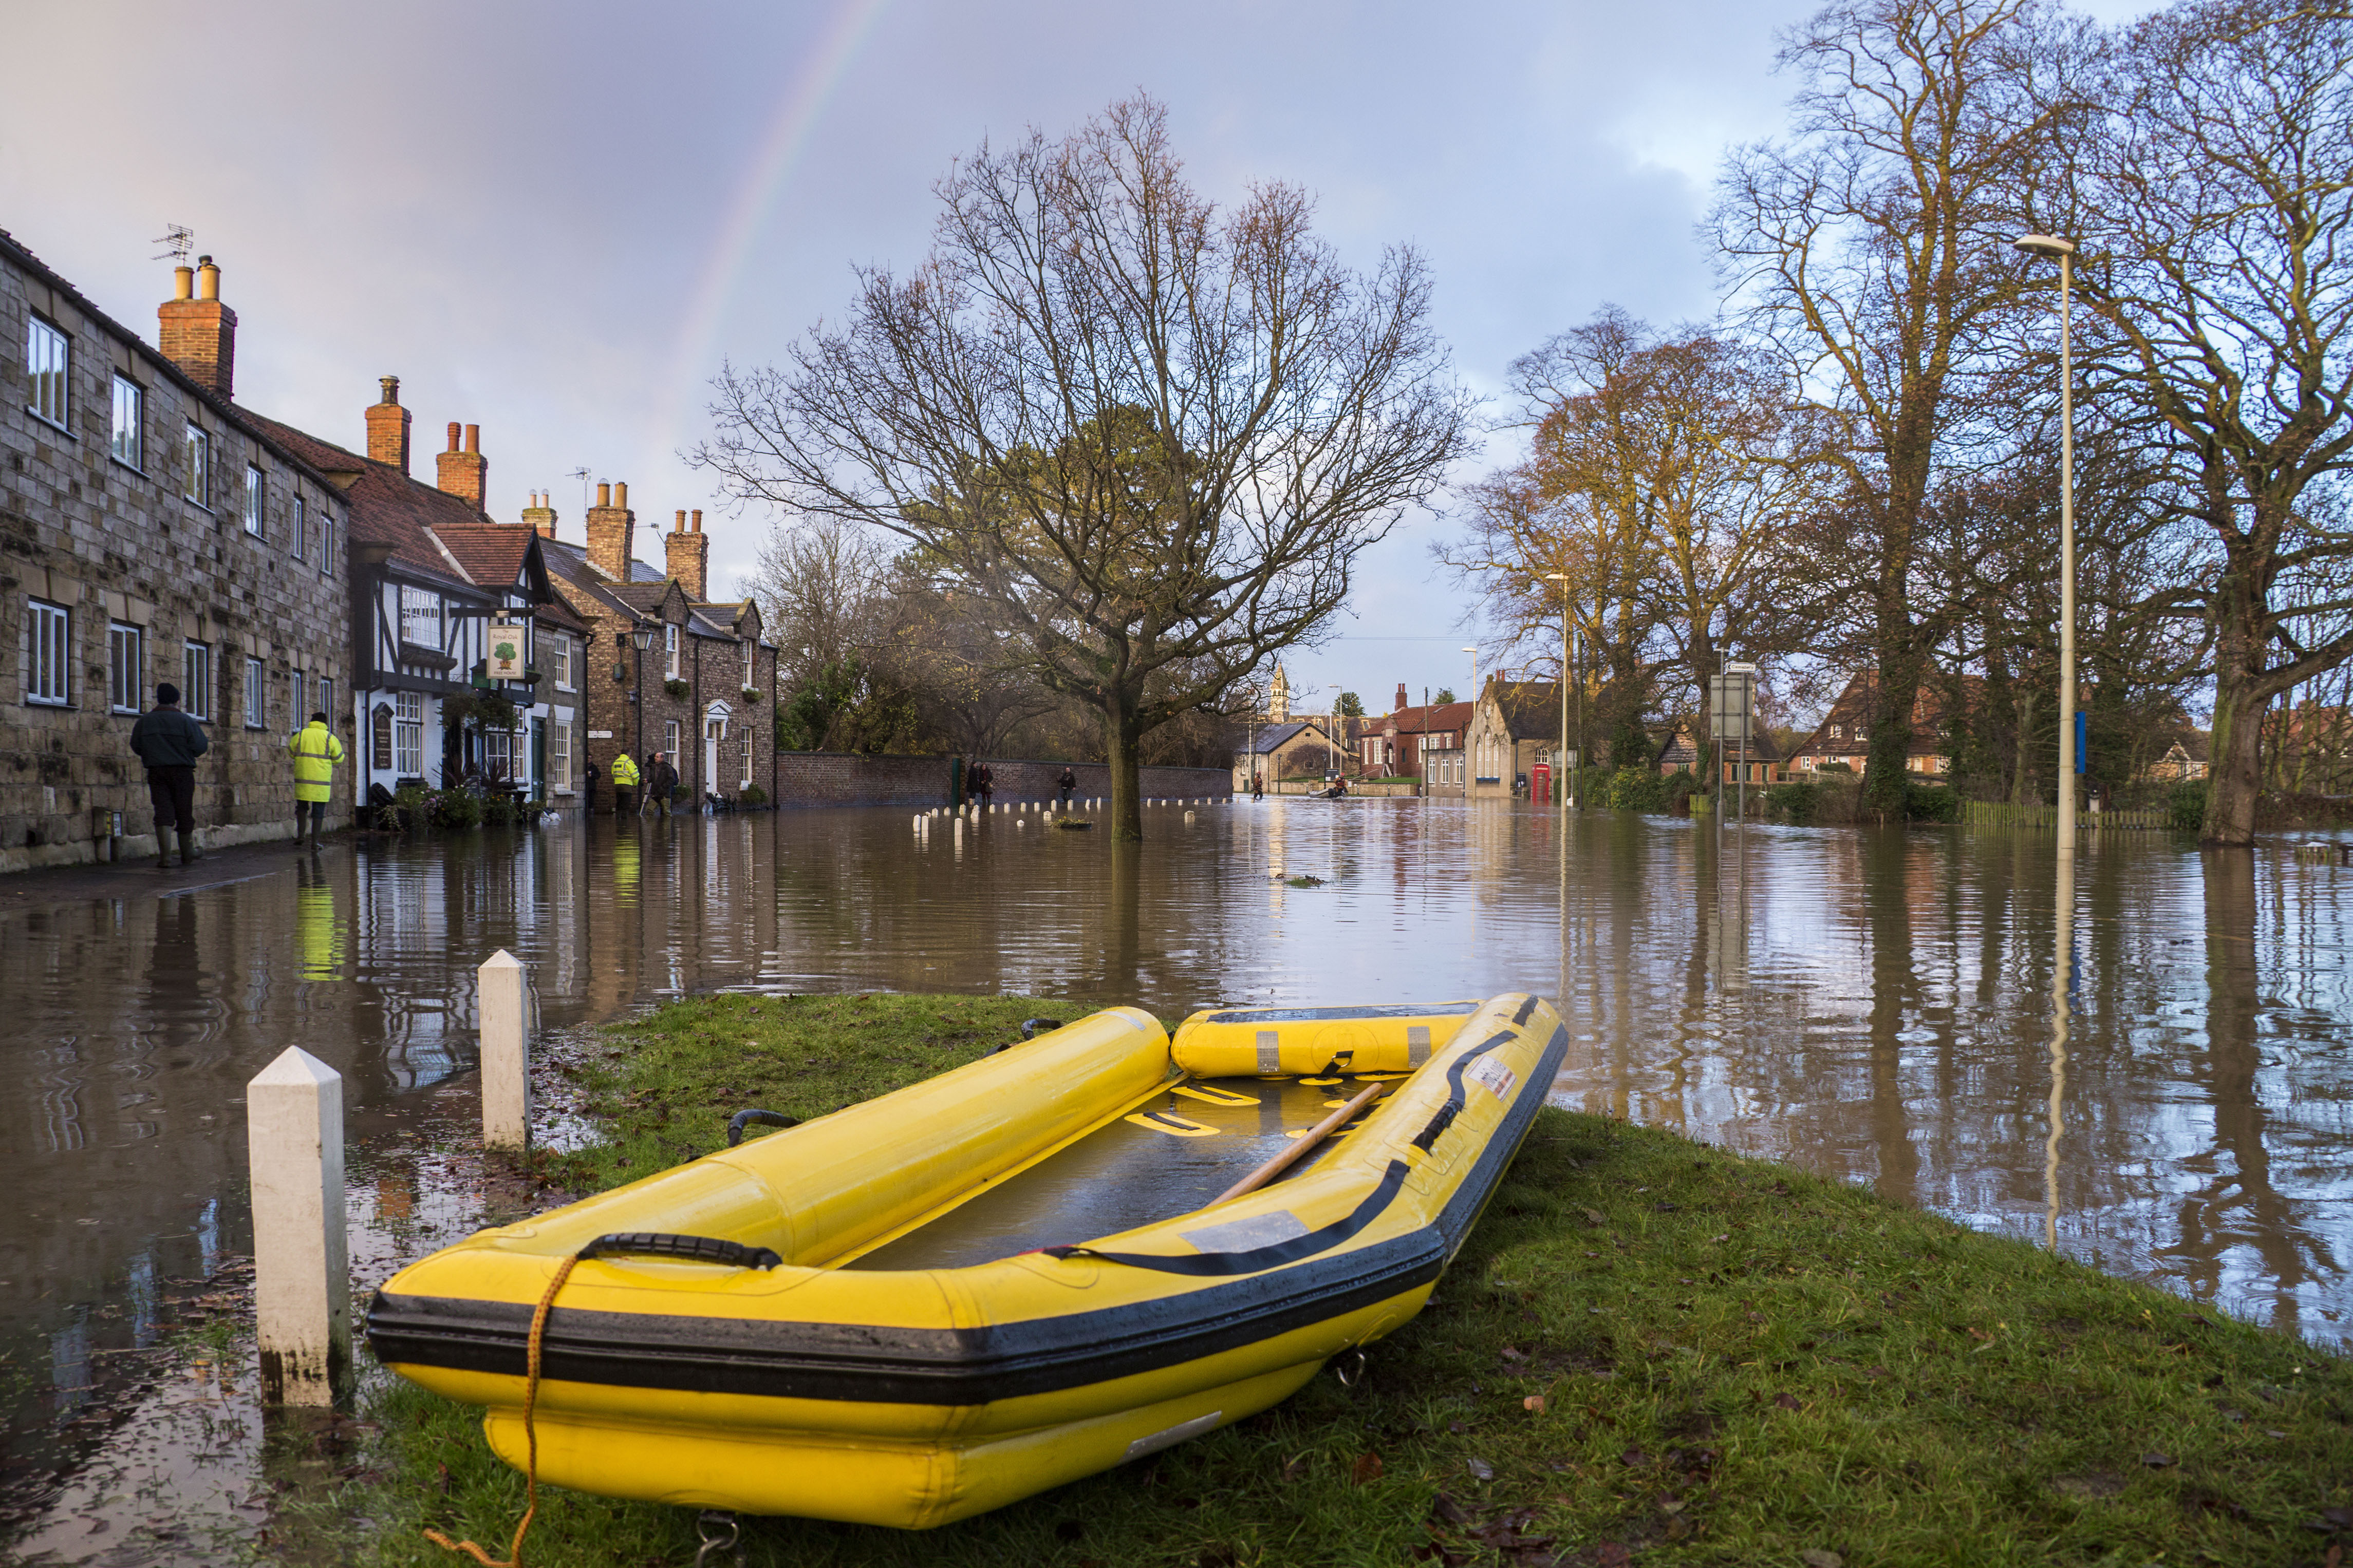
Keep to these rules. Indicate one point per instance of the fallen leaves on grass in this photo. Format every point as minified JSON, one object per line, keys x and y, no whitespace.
{"x":1365,"y":1470}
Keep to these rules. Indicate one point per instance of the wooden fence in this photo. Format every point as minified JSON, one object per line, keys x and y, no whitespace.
{"x":1994,"y":814}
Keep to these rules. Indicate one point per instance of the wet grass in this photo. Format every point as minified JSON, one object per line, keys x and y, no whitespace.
{"x":1648,"y":1349}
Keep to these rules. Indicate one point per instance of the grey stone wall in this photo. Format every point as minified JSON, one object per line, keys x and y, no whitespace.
{"x":113,"y":543}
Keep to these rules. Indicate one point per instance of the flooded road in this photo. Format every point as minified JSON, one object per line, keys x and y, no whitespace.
{"x":1877,"y":1006}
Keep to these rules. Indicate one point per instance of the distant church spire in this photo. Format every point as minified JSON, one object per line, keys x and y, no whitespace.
{"x":1278,"y":696}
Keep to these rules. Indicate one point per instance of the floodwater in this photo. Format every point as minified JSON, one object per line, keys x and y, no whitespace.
{"x":1878,"y":1007}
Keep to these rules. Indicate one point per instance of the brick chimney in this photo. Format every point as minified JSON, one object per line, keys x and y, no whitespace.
{"x":199,"y":334}
{"x":388,"y":426}
{"x":1403,"y":701}
{"x":610,"y":521}
{"x":540,"y":517}
{"x":465,"y":473}
{"x":689,"y":558}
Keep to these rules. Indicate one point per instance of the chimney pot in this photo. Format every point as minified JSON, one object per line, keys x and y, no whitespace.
{"x":680,"y":526}
{"x":604,"y":495}
{"x":453,"y":435}
{"x":467,"y":474}
{"x":689,"y":558}
{"x":621,"y":494}
{"x":199,"y":335}
{"x":473,"y":437}
{"x":388,"y":426}
{"x":698,"y":519}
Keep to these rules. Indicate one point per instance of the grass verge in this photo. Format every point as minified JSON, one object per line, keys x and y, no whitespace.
{"x":1648,"y":1349}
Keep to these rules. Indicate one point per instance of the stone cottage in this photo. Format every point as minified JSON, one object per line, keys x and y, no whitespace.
{"x":151,"y":530}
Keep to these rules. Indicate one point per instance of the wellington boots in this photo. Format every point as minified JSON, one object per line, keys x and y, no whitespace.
{"x":163,"y":853}
{"x":188,"y":855}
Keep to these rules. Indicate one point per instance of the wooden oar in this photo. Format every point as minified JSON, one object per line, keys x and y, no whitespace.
{"x":1293,"y":1155}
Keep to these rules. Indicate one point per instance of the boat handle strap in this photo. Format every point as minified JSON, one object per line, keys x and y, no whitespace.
{"x":742,"y":1119}
{"x":696,"y":1248}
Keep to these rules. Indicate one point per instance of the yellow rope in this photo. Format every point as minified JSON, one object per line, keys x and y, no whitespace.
{"x":530,"y":1437}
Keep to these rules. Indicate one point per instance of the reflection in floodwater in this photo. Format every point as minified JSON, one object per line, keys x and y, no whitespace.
{"x":2155,"y":1080}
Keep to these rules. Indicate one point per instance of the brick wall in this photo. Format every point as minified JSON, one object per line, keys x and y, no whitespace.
{"x":839,"y":778}
{"x":110,"y":544}
{"x":1019,"y":778}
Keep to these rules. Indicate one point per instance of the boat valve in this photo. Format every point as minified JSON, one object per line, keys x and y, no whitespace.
{"x":1348,"y":1367}
{"x":721,"y":1542}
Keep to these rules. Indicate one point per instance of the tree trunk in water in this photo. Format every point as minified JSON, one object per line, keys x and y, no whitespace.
{"x":2234,"y":775}
{"x":1886,"y":769}
{"x":1120,"y":739}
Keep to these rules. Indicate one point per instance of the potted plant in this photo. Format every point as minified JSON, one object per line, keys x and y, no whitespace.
{"x":751,"y":694}
{"x":675,"y":688}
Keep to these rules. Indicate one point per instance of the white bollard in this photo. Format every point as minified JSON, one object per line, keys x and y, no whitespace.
{"x":1188,"y":816}
{"x":301,"y":1265}
{"x":502,"y":995}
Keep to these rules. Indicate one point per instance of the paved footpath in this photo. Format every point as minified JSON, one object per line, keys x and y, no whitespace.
{"x":54,"y":884}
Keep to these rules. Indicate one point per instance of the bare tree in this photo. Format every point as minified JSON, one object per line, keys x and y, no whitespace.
{"x":1156,"y":434}
{"x":2216,"y":203}
{"x":1870,"y":248}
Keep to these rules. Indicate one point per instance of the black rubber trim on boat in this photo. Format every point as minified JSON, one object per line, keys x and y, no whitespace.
{"x":742,"y":1119}
{"x":669,"y":1244}
{"x":1457,"y":1097}
{"x":883,"y":1363}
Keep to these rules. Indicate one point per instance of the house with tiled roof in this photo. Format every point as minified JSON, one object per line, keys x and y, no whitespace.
{"x":1288,"y":749}
{"x":447,"y":604}
{"x":1844,"y":734}
{"x":1514,"y":726}
{"x":1423,"y":743}
{"x":692,"y":678}
{"x":152,"y":530}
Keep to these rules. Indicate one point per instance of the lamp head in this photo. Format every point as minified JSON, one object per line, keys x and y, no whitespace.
{"x":643,"y":636}
{"x":2044,"y":245}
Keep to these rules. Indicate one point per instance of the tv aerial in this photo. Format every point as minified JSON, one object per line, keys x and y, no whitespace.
{"x":178,"y":241}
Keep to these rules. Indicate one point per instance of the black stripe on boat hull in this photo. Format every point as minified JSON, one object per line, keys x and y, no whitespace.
{"x":882,"y":1364}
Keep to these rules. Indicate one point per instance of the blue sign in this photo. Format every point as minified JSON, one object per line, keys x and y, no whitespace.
{"x":2083,"y":745}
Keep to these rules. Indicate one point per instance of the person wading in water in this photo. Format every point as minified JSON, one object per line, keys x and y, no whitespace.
{"x":169,"y":743}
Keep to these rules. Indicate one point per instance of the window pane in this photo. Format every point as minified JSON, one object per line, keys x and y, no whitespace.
{"x":45,"y":367}
{"x":326,"y":540}
{"x":253,"y":501}
{"x":301,"y":525}
{"x":48,"y":653}
{"x":196,"y":681}
{"x":197,"y":482}
{"x":122,"y":667}
{"x":256,"y":694}
{"x":128,"y":402}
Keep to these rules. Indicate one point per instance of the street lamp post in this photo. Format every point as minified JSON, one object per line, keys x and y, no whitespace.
{"x":1569,"y":796}
{"x":640,"y":638}
{"x":1471,"y":763}
{"x":2064,"y":249}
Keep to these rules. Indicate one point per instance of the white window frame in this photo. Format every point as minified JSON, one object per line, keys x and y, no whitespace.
{"x":123,"y":665}
{"x":256,"y":491}
{"x":301,"y":526}
{"x":669,"y":743}
{"x":49,"y":371}
{"x":408,"y":734}
{"x":296,"y":714}
{"x":746,"y":743}
{"x":418,"y":605}
{"x":256,"y":694}
{"x":669,"y":654}
{"x":196,"y":484}
{"x":48,"y":653}
{"x":327,"y":699}
{"x":197,"y":680}
{"x":498,"y":756}
{"x":127,"y":437}
{"x":751,"y":665}
{"x":326,"y":540}
{"x":559,"y":758}
{"x":559,"y":649}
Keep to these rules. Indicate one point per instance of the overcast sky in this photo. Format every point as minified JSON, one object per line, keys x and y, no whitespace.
{"x":555,"y":220}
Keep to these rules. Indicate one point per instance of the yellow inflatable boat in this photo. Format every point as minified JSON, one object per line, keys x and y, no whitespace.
{"x":995,"y":1281}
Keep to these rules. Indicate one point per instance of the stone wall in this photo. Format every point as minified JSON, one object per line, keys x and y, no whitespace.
{"x":109,"y":541}
{"x":835,"y":778}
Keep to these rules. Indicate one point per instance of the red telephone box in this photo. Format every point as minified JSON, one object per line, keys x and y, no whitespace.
{"x":1540,"y":781}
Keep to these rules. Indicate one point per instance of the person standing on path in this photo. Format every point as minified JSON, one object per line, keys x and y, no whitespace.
{"x":317,"y":753}
{"x":625,"y":785}
{"x":169,"y":743}
{"x":1066,"y":783}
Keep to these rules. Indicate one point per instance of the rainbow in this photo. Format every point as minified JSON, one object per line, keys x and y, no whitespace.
{"x":798,"y":108}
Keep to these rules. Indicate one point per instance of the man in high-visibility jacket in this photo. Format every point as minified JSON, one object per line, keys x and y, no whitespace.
{"x":316,"y":752}
{"x":625,"y":784}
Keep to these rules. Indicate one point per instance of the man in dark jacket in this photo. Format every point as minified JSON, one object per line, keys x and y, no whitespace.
{"x":1066,"y":783}
{"x":169,"y":743}
{"x":661,"y":779}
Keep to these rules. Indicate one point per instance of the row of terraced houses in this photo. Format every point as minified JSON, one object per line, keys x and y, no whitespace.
{"x":153,"y":528}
